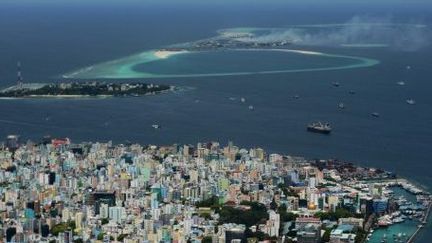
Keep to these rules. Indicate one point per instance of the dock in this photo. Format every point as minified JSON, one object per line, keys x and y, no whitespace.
{"x":421,"y":226}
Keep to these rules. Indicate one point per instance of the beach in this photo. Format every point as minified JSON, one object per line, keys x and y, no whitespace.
{"x":162,"y":54}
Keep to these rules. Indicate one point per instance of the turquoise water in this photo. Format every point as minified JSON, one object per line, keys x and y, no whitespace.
{"x":408,"y":227}
{"x":226,"y":62}
{"x":55,"y":39}
{"x":221,"y":63}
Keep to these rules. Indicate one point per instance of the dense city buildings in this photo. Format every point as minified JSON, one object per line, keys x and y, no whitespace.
{"x":57,"y":191}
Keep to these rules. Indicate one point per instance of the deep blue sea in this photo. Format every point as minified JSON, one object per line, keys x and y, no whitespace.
{"x":52,"y":39}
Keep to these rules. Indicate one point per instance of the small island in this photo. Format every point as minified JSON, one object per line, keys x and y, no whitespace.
{"x":82,"y":89}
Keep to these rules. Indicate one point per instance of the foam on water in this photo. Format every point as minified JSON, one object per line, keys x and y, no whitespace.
{"x":123,"y":68}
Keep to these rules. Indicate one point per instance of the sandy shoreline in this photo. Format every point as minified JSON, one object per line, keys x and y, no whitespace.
{"x":162,"y":54}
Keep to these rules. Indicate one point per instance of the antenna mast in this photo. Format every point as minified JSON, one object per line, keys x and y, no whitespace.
{"x":19,"y":75}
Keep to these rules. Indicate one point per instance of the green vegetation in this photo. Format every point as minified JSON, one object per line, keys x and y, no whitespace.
{"x":273,"y":205}
{"x":207,"y":239}
{"x":59,"y":228}
{"x":100,"y":236}
{"x":212,"y":202}
{"x":324,"y":185}
{"x":339,"y":213}
{"x":54,"y":212}
{"x":360,"y":236}
{"x":284,"y":215}
{"x":292,"y":233}
{"x":121,"y":237}
{"x":326,"y":235}
{"x":72,"y":225}
{"x":287,"y":191}
{"x":253,"y":216}
{"x":104,"y":221}
{"x":207,"y":216}
{"x":259,"y":236}
{"x":89,"y":88}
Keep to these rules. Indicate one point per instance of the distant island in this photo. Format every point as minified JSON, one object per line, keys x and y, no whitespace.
{"x":82,"y":89}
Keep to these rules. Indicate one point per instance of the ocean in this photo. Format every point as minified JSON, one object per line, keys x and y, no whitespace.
{"x":53,"y":39}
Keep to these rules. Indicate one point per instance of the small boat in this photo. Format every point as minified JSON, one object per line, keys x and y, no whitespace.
{"x":410,"y":101}
{"x":341,"y":105}
{"x":319,"y":127}
{"x":243,"y":100}
{"x":401,"y":83}
{"x":398,"y":220}
{"x":156,"y":126}
{"x":251,"y":107}
{"x":375,"y":114}
{"x":408,"y":67}
{"x":336,"y":84}
{"x":296,"y":97}
{"x":352,"y":92}
{"x":232,"y":98}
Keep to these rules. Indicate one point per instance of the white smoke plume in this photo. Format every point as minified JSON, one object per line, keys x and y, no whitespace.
{"x":358,"y":30}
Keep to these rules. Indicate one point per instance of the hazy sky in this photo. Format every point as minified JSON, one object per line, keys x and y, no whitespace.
{"x":360,"y":6}
{"x":204,"y":2}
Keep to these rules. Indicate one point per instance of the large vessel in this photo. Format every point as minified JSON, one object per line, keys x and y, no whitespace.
{"x":319,"y":127}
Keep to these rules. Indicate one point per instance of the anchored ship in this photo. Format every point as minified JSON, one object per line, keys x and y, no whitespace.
{"x":319,"y":127}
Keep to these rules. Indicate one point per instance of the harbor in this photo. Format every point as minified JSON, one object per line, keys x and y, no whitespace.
{"x":404,"y":224}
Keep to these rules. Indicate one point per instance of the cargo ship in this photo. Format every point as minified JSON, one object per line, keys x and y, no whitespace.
{"x":319,"y":127}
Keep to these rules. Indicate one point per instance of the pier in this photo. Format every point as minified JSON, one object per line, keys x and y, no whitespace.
{"x":420,"y":226}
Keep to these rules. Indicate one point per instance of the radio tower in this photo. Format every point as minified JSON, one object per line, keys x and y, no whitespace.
{"x":19,"y":76}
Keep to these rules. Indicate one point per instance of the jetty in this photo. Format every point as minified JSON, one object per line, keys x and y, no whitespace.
{"x":421,"y":226}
